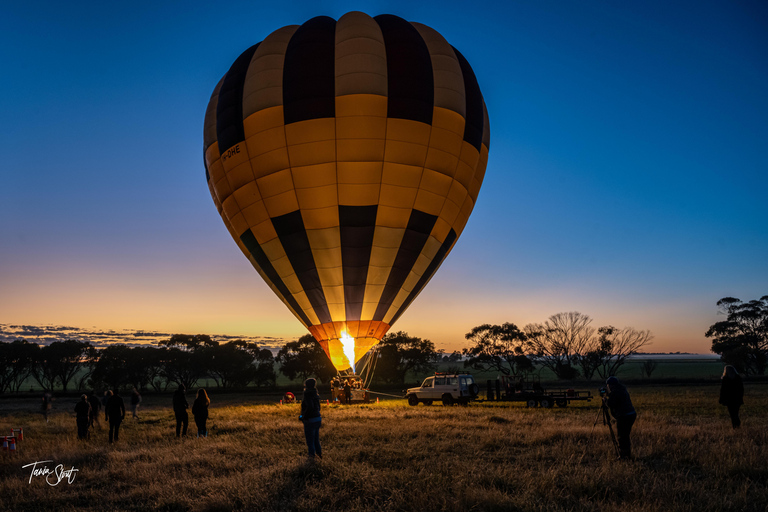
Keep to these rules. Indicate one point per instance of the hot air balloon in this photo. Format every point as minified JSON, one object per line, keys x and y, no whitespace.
{"x":345,"y":158}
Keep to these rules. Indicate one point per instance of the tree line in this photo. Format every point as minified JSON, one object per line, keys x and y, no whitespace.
{"x":566,"y":343}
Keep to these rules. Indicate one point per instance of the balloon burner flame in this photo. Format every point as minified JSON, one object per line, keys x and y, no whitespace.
{"x":349,"y":349}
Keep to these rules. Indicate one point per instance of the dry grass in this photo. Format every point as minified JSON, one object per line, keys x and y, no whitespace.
{"x":390,"y":456}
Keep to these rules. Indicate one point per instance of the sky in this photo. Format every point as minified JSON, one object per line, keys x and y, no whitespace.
{"x":627,"y":176}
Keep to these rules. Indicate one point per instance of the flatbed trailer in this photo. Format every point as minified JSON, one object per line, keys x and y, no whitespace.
{"x":508,"y":389}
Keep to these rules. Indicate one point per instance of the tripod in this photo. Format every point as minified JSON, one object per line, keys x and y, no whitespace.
{"x":607,"y":421}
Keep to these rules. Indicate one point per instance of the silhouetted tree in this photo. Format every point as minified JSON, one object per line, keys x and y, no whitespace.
{"x":183,"y":367}
{"x":557,"y":341}
{"x":498,"y":348}
{"x":112,"y":368}
{"x":233,"y":363}
{"x":305,"y":358}
{"x":742,"y":339}
{"x":59,"y":362}
{"x":648,"y":367}
{"x":398,"y":353}
{"x":265,"y":369}
{"x":16,"y":361}
{"x":616,"y":345}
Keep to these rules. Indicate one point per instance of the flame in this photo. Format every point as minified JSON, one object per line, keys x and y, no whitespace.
{"x":349,"y":349}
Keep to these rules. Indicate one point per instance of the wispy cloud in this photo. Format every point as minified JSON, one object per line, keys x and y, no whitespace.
{"x":46,"y":334}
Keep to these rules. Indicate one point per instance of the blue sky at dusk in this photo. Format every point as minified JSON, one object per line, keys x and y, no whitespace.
{"x":627,"y":176}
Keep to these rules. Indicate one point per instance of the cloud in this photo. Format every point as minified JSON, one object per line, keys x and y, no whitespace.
{"x":46,"y":334}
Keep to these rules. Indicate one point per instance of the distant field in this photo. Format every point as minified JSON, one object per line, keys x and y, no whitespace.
{"x":389,"y":456}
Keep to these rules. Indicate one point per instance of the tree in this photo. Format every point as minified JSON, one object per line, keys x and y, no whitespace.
{"x":649,"y":366}
{"x":233,"y":364}
{"x":185,"y":361}
{"x":305,"y":358}
{"x":557,"y":341}
{"x":265,"y":369}
{"x":399,"y":354}
{"x":617,"y":345}
{"x":16,"y":361}
{"x":112,"y":368}
{"x":742,"y":339}
{"x":500,"y":348}
{"x":60,"y":361}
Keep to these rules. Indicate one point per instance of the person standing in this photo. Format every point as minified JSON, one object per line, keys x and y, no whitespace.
{"x":83,"y":416}
{"x":180,"y":406}
{"x":310,"y":416}
{"x":618,"y":401}
{"x":732,"y":393}
{"x":47,"y":403}
{"x":200,"y":412}
{"x":347,"y":392}
{"x":135,"y":401}
{"x":115,"y":413}
{"x":93,"y":419}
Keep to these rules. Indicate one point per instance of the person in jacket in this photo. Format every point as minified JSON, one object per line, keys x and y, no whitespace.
{"x":347,"y":392}
{"x":180,"y":406}
{"x":135,"y":401}
{"x":83,"y":416}
{"x":200,"y":412}
{"x":310,"y":416}
{"x":732,"y":393}
{"x":115,"y":413}
{"x":618,"y":401}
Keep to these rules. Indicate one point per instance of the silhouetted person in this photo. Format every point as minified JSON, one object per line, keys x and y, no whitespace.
{"x":47,"y":403}
{"x":115,"y":413}
{"x":347,"y":392}
{"x":180,"y":407}
{"x":135,"y":401}
{"x":618,"y":401}
{"x":83,"y":416}
{"x":200,"y":412}
{"x":104,"y":401}
{"x":732,"y":393}
{"x":95,"y":409}
{"x":310,"y":416}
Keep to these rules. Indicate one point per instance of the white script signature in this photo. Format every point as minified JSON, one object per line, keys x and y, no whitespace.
{"x":52,"y":477}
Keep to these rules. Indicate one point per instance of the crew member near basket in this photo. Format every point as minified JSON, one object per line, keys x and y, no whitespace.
{"x":618,"y":401}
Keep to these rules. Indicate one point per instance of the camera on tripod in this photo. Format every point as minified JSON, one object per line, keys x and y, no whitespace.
{"x":603,"y":391}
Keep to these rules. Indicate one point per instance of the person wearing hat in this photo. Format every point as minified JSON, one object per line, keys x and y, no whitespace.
{"x":83,"y":413}
{"x":618,"y":401}
{"x":310,"y":416}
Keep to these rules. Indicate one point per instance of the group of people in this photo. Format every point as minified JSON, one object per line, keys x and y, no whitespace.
{"x":199,"y":411}
{"x":618,"y":401}
{"x":87,"y":413}
{"x":88,"y":408}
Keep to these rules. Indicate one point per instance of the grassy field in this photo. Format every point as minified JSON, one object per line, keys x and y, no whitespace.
{"x":389,"y":456}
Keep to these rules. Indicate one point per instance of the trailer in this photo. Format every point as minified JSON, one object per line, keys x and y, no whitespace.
{"x":510,"y":388}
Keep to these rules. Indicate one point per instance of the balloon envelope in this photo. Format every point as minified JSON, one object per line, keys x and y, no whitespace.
{"x":345,"y":158}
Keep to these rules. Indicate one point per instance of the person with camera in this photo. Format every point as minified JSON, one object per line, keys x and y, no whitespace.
{"x":616,"y":398}
{"x":310,"y":416}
